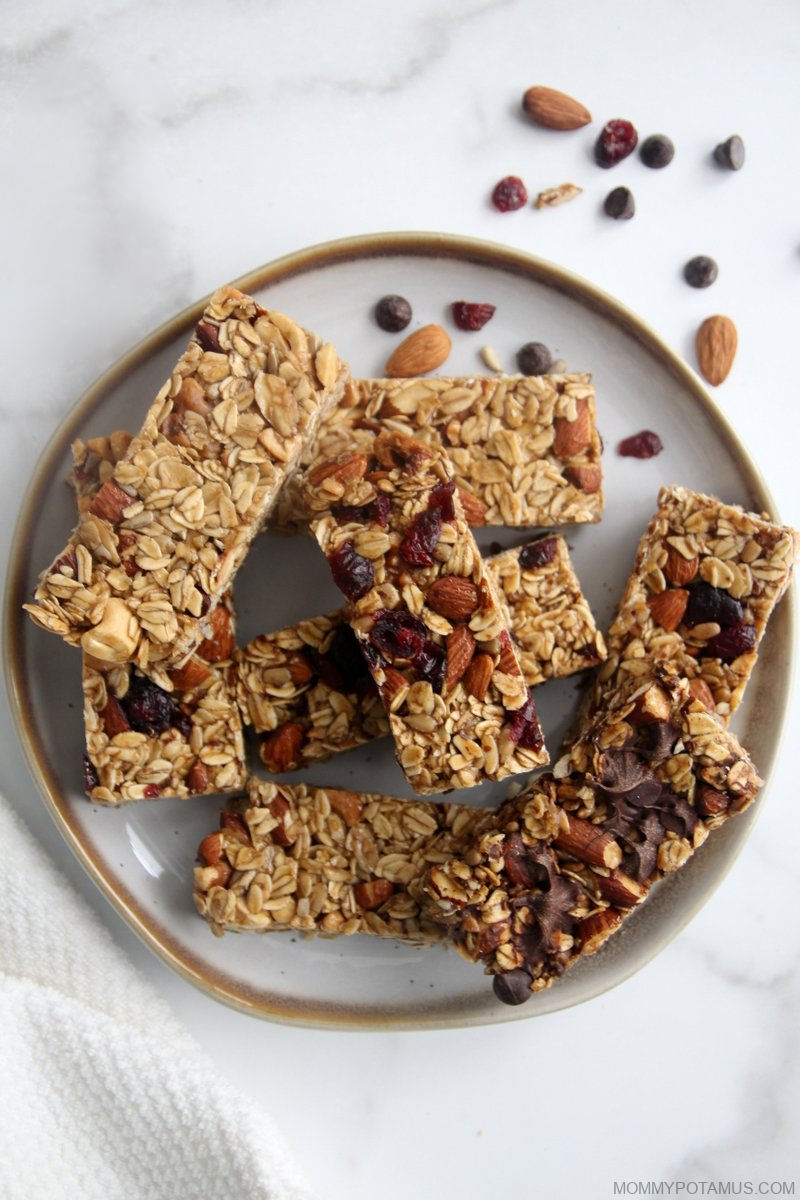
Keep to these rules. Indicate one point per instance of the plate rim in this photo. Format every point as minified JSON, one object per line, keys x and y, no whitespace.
{"x":372,"y":245}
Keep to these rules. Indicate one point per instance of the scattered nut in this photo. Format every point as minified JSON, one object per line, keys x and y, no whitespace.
{"x":550,"y":197}
{"x":553,"y":109}
{"x":716,"y":344}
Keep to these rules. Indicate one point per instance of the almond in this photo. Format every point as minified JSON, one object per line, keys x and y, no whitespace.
{"x":279,"y":808}
{"x":281,"y":750}
{"x":110,"y":502}
{"x":679,"y":570}
{"x":554,"y":110}
{"x":220,"y":643}
{"x":507,"y":662}
{"x":300,"y":670}
{"x":478,"y":675}
{"x":347,"y":466}
{"x":373,"y":894}
{"x":619,"y":889}
{"x":573,"y":436}
{"x":588,"y":477}
{"x":474,"y":509}
{"x":210,"y":849}
{"x":198,"y":778}
{"x":592,"y":931}
{"x":191,"y":398}
{"x":393,"y":683}
{"x":348,"y":805}
{"x":235,"y":822}
{"x":453,"y":597}
{"x":700,"y":691}
{"x":460,"y":652}
{"x":423,"y":351}
{"x":192,"y":673}
{"x":667,"y":608}
{"x":114,"y":719}
{"x":588,"y":843}
{"x":716,"y":344}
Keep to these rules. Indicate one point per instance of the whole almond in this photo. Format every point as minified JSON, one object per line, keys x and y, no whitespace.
{"x":220,"y":643}
{"x":573,"y":436}
{"x":478,"y":675}
{"x":349,"y":805}
{"x":667,"y":608}
{"x":110,"y":502}
{"x":198,"y":777}
{"x":679,"y":570}
{"x":192,"y":673}
{"x":422,"y":351}
{"x":460,"y":652}
{"x":699,"y":690}
{"x":553,"y":109}
{"x":453,"y":597}
{"x":716,"y":344}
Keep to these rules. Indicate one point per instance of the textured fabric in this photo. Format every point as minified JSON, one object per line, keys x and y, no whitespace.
{"x":102,"y":1092}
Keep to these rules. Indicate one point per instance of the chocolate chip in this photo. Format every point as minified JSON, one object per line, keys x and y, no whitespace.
{"x":619,"y":204}
{"x":393,"y":313}
{"x":730,"y":154}
{"x":513,"y":987}
{"x":701,"y":271}
{"x":657,"y":151}
{"x":534,"y":359}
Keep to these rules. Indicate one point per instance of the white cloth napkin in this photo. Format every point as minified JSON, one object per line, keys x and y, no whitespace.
{"x":102,"y":1092}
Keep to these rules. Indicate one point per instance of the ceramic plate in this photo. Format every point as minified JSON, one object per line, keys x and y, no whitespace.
{"x":141,"y":855}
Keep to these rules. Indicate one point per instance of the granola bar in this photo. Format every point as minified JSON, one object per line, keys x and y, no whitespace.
{"x":327,"y":861}
{"x":524,"y":449}
{"x":166,"y":533}
{"x":705,"y":580}
{"x":426,"y":615}
{"x":142,"y":742}
{"x":652,"y":774}
{"x":307,"y":688}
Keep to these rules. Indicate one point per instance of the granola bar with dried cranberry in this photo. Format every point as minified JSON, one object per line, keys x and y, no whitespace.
{"x":163,"y":538}
{"x":142,"y":741}
{"x":426,"y":614}
{"x":705,"y":581}
{"x":524,"y":449}
{"x":307,"y":688}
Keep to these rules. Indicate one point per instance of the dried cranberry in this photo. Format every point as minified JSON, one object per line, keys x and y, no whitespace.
{"x":90,"y":777}
{"x":471,"y":316}
{"x":616,"y":140}
{"x":353,"y":574}
{"x":422,"y":538}
{"x":525,"y":728}
{"x":183,"y":723}
{"x":377,"y":512}
{"x":393,"y":313}
{"x":641,"y":445}
{"x":441,"y":500}
{"x":731,"y":642}
{"x":342,"y":666}
{"x":151,"y":710}
{"x":430,"y":664}
{"x":509,"y":193}
{"x":398,"y":634}
{"x":707,"y":603}
{"x":152,"y":791}
{"x":537,"y":553}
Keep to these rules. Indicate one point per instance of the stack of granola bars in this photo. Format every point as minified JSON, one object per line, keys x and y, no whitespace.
{"x":436,"y":647}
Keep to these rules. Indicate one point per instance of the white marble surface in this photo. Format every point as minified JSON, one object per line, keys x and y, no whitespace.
{"x":152,"y":151}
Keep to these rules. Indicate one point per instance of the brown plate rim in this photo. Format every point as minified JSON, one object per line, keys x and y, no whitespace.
{"x":424,"y":245}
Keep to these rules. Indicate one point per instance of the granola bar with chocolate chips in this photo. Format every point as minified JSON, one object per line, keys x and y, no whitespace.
{"x":652,"y":774}
{"x":141,"y":741}
{"x":327,"y":861}
{"x":308,"y":690}
{"x":524,"y":449}
{"x":163,"y":538}
{"x":426,"y":614}
{"x":706,"y":578}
